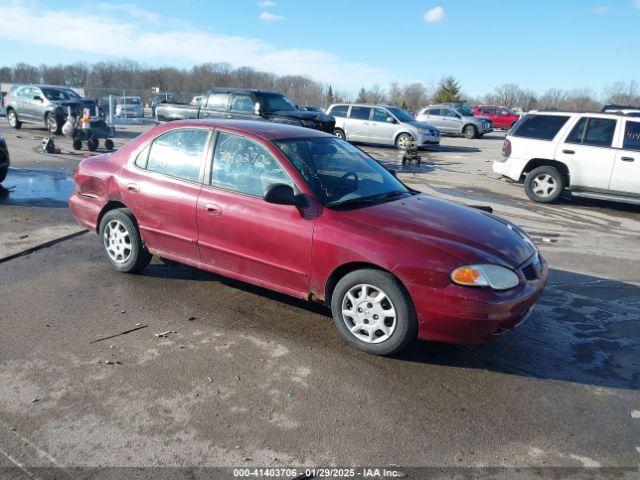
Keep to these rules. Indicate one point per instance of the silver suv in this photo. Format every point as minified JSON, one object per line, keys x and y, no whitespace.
{"x":456,"y":119}
{"x":381,"y":124}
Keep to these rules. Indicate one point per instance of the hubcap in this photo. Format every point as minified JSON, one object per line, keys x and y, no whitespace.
{"x":52,"y":124}
{"x":368,"y":314}
{"x":469,"y":132}
{"x":339,"y":134}
{"x":544,"y":185}
{"x":404,"y":141}
{"x":117,"y":241}
{"x":12,"y":118}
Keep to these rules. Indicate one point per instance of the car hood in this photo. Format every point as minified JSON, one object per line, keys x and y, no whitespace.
{"x":75,"y":104}
{"x":471,"y":234}
{"x":302,"y":115}
{"x":419,"y":124}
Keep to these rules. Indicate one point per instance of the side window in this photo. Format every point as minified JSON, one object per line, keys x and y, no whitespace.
{"x":242,"y":103}
{"x":178,"y":153}
{"x":599,"y":132}
{"x":632,"y":136}
{"x":360,"y":113}
{"x":380,"y":115}
{"x":578,"y":132}
{"x":218,"y":101}
{"x":540,"y":127}
{"x":143,"y":156}
{"x":447,"y":112}
{"x":245,"y":166}
{"x":435,"y":111}
{"x":339,"y":111}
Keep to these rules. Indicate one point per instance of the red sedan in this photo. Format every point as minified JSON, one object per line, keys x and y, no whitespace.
{"x":502,"y":117}
{"x":307,"y":214}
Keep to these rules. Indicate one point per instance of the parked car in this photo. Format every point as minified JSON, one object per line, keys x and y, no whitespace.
{"x":594,"y":155}
{"x":629,"y":110}
{"x":247,"y":104}
{"x":129,"y":107}
{"x":456,"y":119}
{"x":502,"y":117}
{"x":307,"y":214}
{"x":309,"y":108}
{"x":44,"y":104}
{"x":381,"y":124}
{"x":160,"y":98}
{"x":5,"y":161}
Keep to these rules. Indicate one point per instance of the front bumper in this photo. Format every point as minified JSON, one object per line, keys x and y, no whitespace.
{"x":428,"y":139}
{"x":466,"y":315}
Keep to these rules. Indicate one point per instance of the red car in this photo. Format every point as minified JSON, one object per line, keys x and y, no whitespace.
{"x":502,"y":117}
{"x":307,"y":214}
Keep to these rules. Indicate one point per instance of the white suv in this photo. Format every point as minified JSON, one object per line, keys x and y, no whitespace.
{"x":594,"y":155}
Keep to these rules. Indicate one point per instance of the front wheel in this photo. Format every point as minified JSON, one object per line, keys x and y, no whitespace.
{"x":373,"y":312}
{"x":404,"y":141}
{"x":470,"y":131}
{"x":54,"y":125}
{"x":12,"y":118}
{"x":121,"y":241}
{"x":544,"y":184}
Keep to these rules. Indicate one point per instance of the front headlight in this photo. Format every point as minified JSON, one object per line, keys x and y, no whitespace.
{"x":494,"y":276}
{"x":424,"y":131}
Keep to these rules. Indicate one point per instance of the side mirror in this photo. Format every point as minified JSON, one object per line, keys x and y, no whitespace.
{"x":283,"y":194}
{"x":391,"y":120}
{"x":257,"y":108}
{"x":37,"y":97}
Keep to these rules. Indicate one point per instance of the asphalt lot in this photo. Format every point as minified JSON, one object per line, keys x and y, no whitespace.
{"x":250,"y":377}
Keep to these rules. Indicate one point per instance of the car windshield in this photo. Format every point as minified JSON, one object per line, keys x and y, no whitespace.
{"x":275,"y":103}
{"x":60,"y":94}
{"x":401,"y":115}
{"x":341,"y":174}
{"x":464,"y":110}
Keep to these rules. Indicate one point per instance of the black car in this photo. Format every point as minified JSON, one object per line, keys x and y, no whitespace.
{"x":4,"y":159}
{"x":247,"y":104}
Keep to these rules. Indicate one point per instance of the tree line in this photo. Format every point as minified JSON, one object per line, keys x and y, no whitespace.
{"x":105,"y":77}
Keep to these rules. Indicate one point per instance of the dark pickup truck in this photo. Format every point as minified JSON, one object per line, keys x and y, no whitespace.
{"x":246,"y":104}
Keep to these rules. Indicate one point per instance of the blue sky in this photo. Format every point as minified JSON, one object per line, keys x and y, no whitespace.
{"x":349,"y":43}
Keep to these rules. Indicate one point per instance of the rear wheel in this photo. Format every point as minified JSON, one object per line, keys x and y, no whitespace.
{"x":12,"y":118}
{"x":121,"y":241}
{"x":77,"y":144}
{"x":92,"y":144}
{"x":470,"y":131}
{"x":544,"y":184}
{"x":373,"y":312}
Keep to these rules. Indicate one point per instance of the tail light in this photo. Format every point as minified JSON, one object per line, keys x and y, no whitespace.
{"x":506,"y":148}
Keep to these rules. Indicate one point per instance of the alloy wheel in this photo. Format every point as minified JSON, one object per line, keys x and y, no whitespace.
{"x":369,"y":313}
{"x":544,"y":185}
{"x":12,"y":118}
{"x":117,"y":241}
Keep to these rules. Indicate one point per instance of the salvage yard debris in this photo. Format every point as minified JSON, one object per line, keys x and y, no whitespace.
{"x":118,"y":334}
{"x":163,"y":334}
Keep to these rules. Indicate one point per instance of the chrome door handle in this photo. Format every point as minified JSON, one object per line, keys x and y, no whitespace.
{"x":212,"y":209}
{"x":569,"y":152}
{"x":628,"y":159}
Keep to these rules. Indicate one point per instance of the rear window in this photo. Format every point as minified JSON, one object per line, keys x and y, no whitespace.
{"x":339,"y":111}
{"x":540,"y":127}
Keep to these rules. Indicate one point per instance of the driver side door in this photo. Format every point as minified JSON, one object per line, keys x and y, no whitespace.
{"x":239,"y":231}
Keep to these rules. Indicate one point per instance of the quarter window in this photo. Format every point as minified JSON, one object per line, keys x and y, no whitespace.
{"x":632,"y":136}
{"x":218,"y":101}
{"x":360,"y":113}
{"x":597,"y":132}
{"x":244,"y":166}
{"x":339,"y":111}
{"x":179,"y":153}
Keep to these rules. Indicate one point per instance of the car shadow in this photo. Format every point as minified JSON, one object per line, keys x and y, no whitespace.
{"x":36,"y":188}
{"x":584,"y":329}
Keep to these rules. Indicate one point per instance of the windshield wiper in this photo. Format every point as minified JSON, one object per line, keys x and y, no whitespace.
{"x":368,"y":200}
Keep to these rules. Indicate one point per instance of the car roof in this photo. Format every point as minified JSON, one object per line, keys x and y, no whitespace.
{"x":370,"y":105}
{"x":266,"y":130}
{"x":569,"y":113}
{"x":242,"y":90}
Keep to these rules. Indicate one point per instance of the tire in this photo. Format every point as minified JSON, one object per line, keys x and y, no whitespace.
{"x":12,"y":118}
{"x":108,"y":144}
{"x":92,"y":144}
{"x":470,"y":131}
{"x":403,"y":141}
{"x":340,"y":134}
{"x":544,"y":184}
{"x":400,"y":330}
{"x":121,"y":241}
{"x":77,"y":144}
{"x":53,"y":124}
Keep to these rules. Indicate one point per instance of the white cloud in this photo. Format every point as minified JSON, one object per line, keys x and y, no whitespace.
{"x":132,"y":11}
{"x":174,"y":42}
{"x":602,"y":9}
{"x":434,"y":15}
{"x":270,"y":17}
{"x":267,"y":4}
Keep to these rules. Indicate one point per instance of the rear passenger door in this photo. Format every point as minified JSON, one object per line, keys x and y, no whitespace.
{"x":588,"y":151}
{"x":359,"y":124}
{"x":626,"y":169}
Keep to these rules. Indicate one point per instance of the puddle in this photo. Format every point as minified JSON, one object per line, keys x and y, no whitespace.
{"x":37,"y":188}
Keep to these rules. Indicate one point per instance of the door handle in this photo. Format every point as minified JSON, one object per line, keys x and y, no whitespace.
{"x":229,"y":116}
{"x":628,"y":159}
{"x":569,"y":152}
{"x":212,"y":209}
{"x":133,"y":188}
